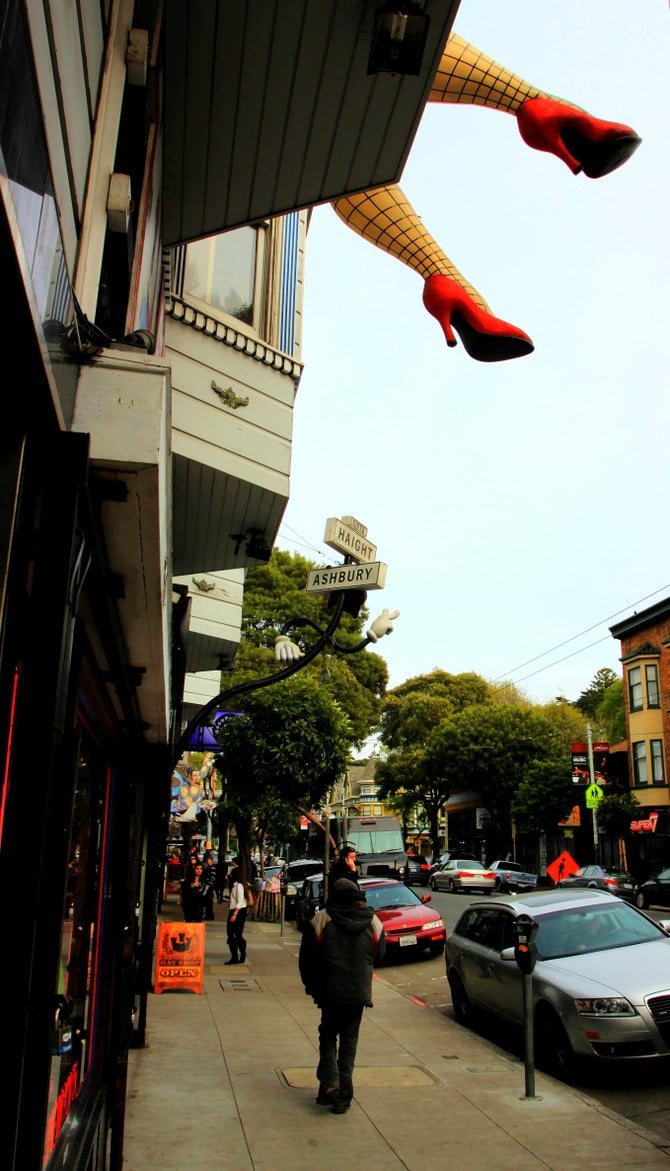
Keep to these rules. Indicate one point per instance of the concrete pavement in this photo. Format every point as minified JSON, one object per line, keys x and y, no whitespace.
{"x":226,"y":1082}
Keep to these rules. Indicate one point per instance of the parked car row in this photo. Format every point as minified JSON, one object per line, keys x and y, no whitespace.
{"x":601,"y":984}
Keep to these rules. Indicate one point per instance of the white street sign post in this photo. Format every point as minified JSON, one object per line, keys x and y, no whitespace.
{"x":371,"y":576}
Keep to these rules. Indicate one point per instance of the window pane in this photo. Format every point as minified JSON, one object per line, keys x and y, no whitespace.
{"x":635,"y":689}
{"x":221,"y":271}
{"x":234,"y":274}
{"x":651,"y":672}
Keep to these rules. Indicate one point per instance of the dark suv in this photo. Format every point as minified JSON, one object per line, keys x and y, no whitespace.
{"x":417,"y":870}
{"x":292,"y":876}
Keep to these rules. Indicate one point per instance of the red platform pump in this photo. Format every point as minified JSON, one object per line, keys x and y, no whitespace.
{"x":584,"y":143}
{"x":485,"y":337}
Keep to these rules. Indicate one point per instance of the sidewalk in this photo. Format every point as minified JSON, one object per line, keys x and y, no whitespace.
{"x":226,"y":1082}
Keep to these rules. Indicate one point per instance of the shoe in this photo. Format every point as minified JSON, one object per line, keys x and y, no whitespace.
{"x":485,"y":337}
{"x":340,"y":1106}
{"x":243,"y":956}
{"x":584,"y":143}
{"x":234,"y":960}
{"x":326,"y":1095}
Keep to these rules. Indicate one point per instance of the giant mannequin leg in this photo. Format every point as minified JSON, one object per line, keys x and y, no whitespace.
{"x":467,"y":77}
{"x":385,"y":217}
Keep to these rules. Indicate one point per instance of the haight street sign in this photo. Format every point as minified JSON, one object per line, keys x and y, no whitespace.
{"x":370,"y":576}
{"x":349,"y":536}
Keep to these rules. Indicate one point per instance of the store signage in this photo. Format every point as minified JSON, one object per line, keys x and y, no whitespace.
{"x":645,"y":825}
{"x":180,"y":955}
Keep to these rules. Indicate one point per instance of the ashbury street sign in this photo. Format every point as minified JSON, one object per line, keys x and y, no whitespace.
{"x":371,"y":576}
{"x":349,"y":536}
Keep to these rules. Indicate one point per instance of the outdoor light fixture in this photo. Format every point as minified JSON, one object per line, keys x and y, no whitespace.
{"x":256,"y":546}
{"x":398,"y":38}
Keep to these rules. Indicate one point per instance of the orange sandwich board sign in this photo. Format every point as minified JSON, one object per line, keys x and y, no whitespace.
{"x":562,"y":866}
{"x":180,"y":954}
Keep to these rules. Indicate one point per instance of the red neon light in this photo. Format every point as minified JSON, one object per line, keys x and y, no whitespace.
{"x":8,"y":753}
{"x":647,"y":824}
{"x":61,"y":1109}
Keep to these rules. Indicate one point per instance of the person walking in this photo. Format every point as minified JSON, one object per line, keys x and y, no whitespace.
{"x":209,"y":879}
{"x":338,"y":952}
{"x":237,"y":914}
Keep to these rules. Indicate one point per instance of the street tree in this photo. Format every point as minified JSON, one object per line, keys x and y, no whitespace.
{"x":287,"y":749}
{"x":488,"y":748}
{"x":274,"y":598}
{"x":545,"y":796}
{"x":592,"y":696}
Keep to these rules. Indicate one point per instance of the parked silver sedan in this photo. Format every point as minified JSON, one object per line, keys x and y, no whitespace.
{"x":601,"y":985}
{"x":463,"y":874}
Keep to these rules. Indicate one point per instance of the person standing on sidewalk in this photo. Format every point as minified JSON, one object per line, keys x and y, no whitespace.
{"x":337,"y":955}
{"x":237,"y":914}
{"x":345,"y":867}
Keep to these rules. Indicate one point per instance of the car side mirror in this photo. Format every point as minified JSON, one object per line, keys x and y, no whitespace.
{"x":665,"y":924}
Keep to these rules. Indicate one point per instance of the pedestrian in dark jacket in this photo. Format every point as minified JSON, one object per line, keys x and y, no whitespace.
{"x":338,"y":952}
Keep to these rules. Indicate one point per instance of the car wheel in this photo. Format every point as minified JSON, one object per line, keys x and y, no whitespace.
{"x":641,"y":900}
{"x":450,"y":886}
{"x":553,"y":1051}
{"x":460,"y":1000}
{"x":433,"y":885}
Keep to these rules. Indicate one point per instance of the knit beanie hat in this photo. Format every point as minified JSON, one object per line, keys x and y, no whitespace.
{"x":345,"y":892}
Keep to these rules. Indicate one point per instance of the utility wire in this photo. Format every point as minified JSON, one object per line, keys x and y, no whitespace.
{"x":303,"y":540}
{"x":520,"y":666}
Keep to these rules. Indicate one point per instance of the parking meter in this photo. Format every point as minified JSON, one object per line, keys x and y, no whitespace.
{"x":525,"y":955}
{"x":524,"y":948}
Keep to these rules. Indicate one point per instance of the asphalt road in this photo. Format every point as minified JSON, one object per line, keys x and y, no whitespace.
{"x":640,"y":1091}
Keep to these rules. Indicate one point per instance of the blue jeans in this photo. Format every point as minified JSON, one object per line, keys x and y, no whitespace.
{"x":336,"y":1066}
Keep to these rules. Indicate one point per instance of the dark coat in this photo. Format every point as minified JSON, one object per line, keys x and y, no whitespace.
{"x":338,"y":952}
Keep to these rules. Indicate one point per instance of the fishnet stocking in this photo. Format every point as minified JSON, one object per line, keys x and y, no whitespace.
{"x":386,"y":218}
{"x":471,"y":78}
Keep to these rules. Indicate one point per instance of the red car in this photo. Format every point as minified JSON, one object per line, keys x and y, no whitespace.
{"x":409,"y":924}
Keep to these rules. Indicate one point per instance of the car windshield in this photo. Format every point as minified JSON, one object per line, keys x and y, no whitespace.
{"x":590,"y":929}
{"x":394,"y":895}
{"x":467,"y":864}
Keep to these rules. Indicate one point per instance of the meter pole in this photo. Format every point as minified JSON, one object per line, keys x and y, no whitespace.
{"x":594,"y":811}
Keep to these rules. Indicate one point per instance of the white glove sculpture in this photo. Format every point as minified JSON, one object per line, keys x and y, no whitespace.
{"x":382,"y":625}
{"x":287,"y":651}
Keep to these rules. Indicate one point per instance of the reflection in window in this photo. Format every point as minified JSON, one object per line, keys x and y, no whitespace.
{"x":221,"y":271}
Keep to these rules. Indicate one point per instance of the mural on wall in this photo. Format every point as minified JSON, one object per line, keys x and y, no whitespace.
{"x":385,"y":217}
{"x":194,"y":790}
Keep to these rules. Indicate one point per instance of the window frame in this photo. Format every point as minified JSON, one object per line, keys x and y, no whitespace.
{"x":640,"y":758}
{"x":635,"y":689}
{"x":257,"y":328}
{"x":657,"y":757}
{"x":652,"y":685}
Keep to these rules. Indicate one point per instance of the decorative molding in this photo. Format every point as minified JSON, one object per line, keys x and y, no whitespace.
{"x":229,"y":336}
{"x":203,"y":585}
{"x":228,"y":396}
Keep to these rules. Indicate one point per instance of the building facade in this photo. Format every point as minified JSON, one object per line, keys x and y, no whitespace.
{"x":645,"y":659}
{"x":152,"y":233}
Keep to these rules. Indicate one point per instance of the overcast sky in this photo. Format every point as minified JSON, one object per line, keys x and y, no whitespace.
{"x":521,"y":506}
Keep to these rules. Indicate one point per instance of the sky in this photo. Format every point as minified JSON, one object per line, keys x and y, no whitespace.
{"x":520,"y":506}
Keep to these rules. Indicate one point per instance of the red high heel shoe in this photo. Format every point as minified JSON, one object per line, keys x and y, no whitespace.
{"x":584,"y":143}
{"x":485,"y":337}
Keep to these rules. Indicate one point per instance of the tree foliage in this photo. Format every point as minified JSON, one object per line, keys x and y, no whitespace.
{"x":592,"y":697}
{"x":284,"y":753}
{"x":275,"y":602}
